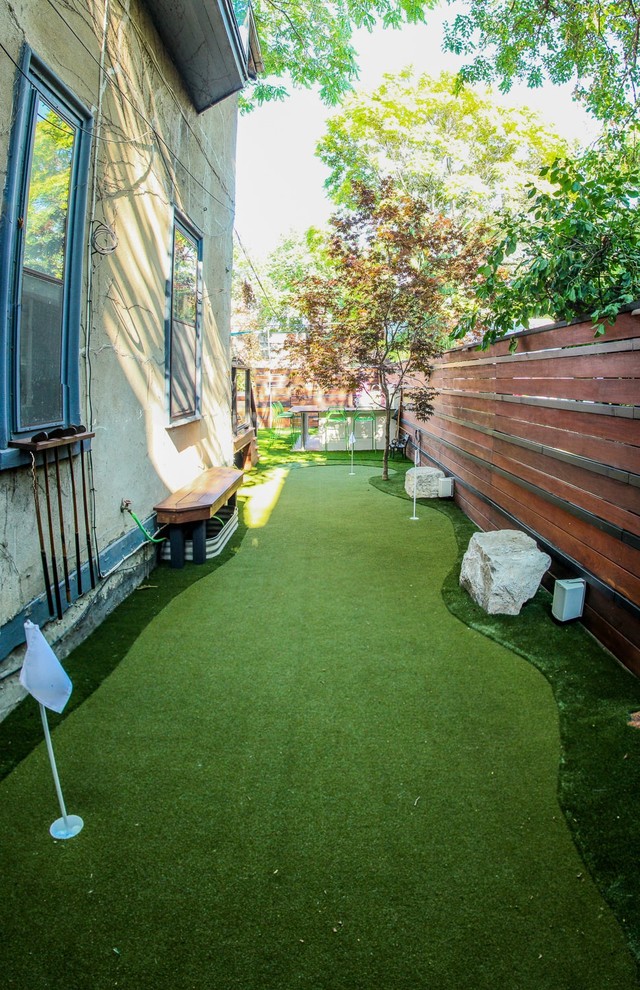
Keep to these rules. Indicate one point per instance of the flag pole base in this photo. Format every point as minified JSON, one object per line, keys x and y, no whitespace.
{"x":412,"y":518}
{"x":66,"y":828}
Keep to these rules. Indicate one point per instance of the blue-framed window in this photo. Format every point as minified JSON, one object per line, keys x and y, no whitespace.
{"x":184,"y":322}
{"x":42,"y":237}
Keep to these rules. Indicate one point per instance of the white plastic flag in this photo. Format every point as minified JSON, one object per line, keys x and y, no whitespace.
{"x":42,"y":674}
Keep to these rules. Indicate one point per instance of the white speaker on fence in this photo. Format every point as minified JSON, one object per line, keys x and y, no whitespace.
{"x":445,"y":487}
{"x":568,"y":599}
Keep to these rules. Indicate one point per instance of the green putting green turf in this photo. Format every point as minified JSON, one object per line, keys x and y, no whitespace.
{"x":306,"y":772}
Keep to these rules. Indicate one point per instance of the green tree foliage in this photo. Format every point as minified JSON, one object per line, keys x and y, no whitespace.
{"x":573,"y":251}
{"x":260,"y":300}
{"x":465,"y":154}
{"x":309,"y":42}
{"x":383,"y":305}
{"x":591,"y":44}
{"x":49,"y":185}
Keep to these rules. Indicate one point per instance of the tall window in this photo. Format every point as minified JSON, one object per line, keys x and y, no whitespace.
{"x":41,"y":256}
{"x":184,"y":334}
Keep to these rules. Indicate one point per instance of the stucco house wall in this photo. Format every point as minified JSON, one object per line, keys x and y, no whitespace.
{"x":152,"y":158}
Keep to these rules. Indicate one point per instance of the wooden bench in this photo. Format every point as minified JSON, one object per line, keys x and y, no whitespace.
{"x":192,"y":506}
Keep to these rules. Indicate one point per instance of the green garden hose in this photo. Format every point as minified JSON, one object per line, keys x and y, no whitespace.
{"x":161,"y":539}
{"x":152,"y":539}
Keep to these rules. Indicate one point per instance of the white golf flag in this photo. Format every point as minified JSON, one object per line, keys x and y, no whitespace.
{"x":42,"y":674}
{"x":352,"y":440}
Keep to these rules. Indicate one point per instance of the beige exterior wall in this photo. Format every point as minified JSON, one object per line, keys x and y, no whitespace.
{"x":151,"y":154}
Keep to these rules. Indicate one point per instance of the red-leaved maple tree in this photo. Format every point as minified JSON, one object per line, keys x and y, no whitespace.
{"x":385,"y":300}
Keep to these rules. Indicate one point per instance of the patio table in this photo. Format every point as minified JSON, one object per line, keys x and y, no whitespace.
{"x":304,"y":412}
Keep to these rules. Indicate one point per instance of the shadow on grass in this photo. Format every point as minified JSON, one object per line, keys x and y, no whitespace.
{"x":599,"y":774}
{"x":94,"y":659}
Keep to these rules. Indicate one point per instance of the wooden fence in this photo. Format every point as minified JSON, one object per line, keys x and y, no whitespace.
{"x":282,"y":385}
{"x":547,"y":440}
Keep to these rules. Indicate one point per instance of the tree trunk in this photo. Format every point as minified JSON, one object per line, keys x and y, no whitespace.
{"x":387,"y":438}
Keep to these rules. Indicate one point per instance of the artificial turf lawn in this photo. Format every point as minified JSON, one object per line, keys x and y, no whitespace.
{"x":305,"y":772}
{"x":599,"y":771}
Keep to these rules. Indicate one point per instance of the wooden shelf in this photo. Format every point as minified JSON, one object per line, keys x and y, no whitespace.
{"x":35,"y":448}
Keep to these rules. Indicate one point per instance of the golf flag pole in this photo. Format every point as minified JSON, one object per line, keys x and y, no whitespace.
{"x":44,"y":677}
{"x":416,"y":463}
{"x":68,"y":825}
{"x":352,"y":445}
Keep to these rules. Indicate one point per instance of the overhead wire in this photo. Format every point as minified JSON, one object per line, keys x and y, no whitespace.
{"x":255,"y":273}
{"x":168,"y":87}
{"x":229,"y":206}
{"x":113,"y":83}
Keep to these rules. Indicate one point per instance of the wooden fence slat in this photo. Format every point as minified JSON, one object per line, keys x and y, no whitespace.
{"x":447,"y":426}
{"x":609,"y":627}
{"x":604,"y":487}
{"x":566,"y":365}
{"x":608,"y":452}
{"x":447,"y":371}
{"x":467,"y":382}
{"x":465,"y":443}
{"x":479,"y":404}
{"x":629,"y":413}
{"x":616,"y":428}
{"x":472,"y":417}
{"x":454,"y":462}
{"x":610,"y":488}
{"x":626,"y":327}
{"x":601,"y":508}
{"x":620,"y":391}
{"x":617,"y":455}
{"x":614,"y":496}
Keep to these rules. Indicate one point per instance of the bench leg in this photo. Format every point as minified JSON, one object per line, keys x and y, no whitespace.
{"x":199,"y":538}
{"x":176,"y":542}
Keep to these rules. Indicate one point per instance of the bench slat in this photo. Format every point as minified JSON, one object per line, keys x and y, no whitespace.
{"x":200,"y":499}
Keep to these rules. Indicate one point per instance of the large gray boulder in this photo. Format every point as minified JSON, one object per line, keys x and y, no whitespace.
{"x":425,"y":479}
{"x":502,"y":570}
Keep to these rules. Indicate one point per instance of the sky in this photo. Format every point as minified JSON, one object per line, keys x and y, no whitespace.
{"x":279,"y":182}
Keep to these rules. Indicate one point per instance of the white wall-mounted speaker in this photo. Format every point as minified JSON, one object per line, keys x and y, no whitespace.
{"x":568,"y":599}
{"x":445,"y":487}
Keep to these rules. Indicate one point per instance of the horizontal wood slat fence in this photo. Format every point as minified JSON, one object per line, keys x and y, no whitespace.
{"x":547,"y":440}
{"x":284,"y":386}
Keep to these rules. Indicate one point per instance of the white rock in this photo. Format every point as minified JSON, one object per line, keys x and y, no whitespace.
{"x":426,"y":481}
{"x":502,"y":570}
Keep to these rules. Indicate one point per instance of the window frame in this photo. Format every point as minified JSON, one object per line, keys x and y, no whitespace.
{"x":239,"y":424}
{"x":185,"y":226}
{"x":35,"y":80}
